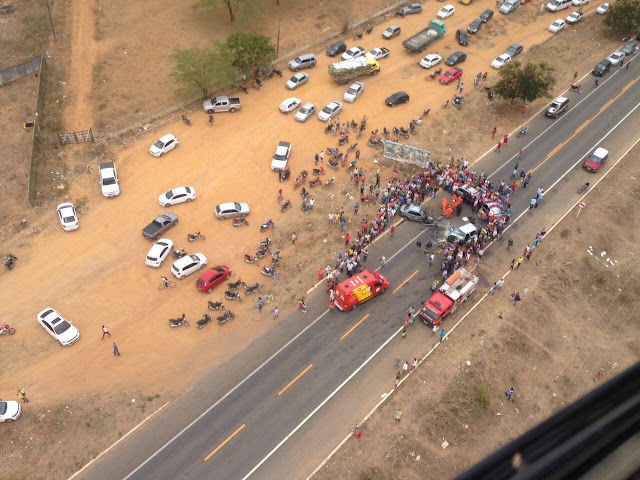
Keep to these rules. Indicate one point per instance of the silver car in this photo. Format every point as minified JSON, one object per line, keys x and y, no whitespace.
{"x":307,"y":111}
{"x":297,"y":80}
{"x":232,"y":209}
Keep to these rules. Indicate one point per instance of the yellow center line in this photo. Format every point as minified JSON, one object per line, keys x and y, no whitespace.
{"x":354,"y":327}
{"x":402,"y":284}
{"x":583,"y":126}
{"x":225,"y":442}
{"x":295,"y":379}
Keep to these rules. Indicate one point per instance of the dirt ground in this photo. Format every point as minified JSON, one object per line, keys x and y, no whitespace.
{"x":578,"y":317}
{"x":98,"y":270}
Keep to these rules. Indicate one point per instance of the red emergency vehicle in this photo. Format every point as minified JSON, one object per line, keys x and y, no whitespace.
{"x":359,"y":288}
{"x":453,"y":293}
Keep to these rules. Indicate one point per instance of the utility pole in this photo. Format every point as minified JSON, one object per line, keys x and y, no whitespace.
{"x":50,"y":19}
{"x":278,"y":40}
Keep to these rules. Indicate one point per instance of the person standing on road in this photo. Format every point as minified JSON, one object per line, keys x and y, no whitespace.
{"x":116,"y":352}
{"x":22,"y":395}
{"x":105,"y":331}
{"x":509,"y":392}
{"x":398,"y":416}
{"x":431,"y":258}
{"x":383,"y":260}
{"x":532,"y":203}
{"x":442,"y":335}
{"x":260,"y":304}
{"x":405,"y":367}
{"x":317,"y":158}
{"x":276,"y":313}
{"x":499,"y":147}
{"x":493,"y":132}
{"x":293,"y":238}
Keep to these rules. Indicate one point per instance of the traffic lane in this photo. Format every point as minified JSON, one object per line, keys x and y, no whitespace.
{"x":247,"y":405}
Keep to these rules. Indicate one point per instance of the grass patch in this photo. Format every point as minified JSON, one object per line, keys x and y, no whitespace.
{"x":483,"y":392}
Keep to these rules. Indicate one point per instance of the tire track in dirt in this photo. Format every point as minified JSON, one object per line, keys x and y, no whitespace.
{"x":83,"y":56}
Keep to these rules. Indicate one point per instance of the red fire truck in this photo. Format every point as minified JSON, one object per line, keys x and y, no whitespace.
{"x":359,"y":288}
{"x":453,"y":293}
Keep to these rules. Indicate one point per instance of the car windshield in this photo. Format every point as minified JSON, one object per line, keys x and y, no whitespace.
{"x":194,"y":258}
{"x":3,"y":408}
{"x":327,"y":109}
{"x":61,"y":327}
{"x":428,"y":313}
{"x":304,"y":110}
{"x":159,"y":144}
{"x":595,"y":158}
{"x":169,"y":194}
{"x":352,"y":90}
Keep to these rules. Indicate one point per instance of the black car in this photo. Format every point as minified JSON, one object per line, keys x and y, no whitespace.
{"x":475,"y":26}
{"x":336,"y":48}
{"x":396,"y":99}
{"x":415,"y":214}
{"x":486,"y":15}
{"x":461,"y":36}
{"x":514,"y":50}
{"x":603,"y":67}
{"x":455,"y":58}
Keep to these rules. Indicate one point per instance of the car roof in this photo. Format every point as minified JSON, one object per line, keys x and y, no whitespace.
{"x":561,"y":99}
{"x":224,"y":206}
{"x":308,"y":105}
{"x":601,"y":152}
{"x":167,"y":137}
{"x":468,"y":228}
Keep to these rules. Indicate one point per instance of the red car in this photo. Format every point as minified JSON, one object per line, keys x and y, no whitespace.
{"x":450,"y":75}
{"x":595,"y":160}
{"x":212,"y":278}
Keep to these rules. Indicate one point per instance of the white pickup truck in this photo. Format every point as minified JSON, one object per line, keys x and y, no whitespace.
{"x":222,"y":104}
{"x":109,"y":179}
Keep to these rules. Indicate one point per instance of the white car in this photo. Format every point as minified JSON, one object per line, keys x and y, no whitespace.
{"x":232,"y":210}
{"x":109,"y":180}
{"x":330,"y":111}
{"x":445,"y":12}
{"x":58,"y":327}
{"x":281,"y":157}
{"x":297,"y":80}
{"x":177,"y":195}
{"x":163,"y":145}
{"x":577,"y":3}
{"x":430,"y":60}
{"x":159,"y":252}
{"x":290,"y":104}
{"x":574,"y":18}
{"x":353,"y":92}
{"x":68,"y":217}
{"x":188,"y":264}
{"x":353,"y":52}
{"x":392,"y":31}
{"x":306,"y":111}
{"x":556,"y":26}
{"x":501,"y":61}
{"x":602,"y":9}
{"x":615,"y":58}
{"x":9,"y":411}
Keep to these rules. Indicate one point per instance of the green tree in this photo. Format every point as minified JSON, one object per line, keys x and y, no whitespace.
{"x":624,"y":16}
{"x":200,"y":70}
{"x":526,"y":83}
{"x":232,"y":6}
{"x":250,"y":50}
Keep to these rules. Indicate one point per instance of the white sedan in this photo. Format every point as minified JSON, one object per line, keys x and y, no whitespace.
{"x":290,"y":104}
{"x":188,"y":264}
{"x":602,"y":9}
{"x":501,"y":61}
{"x":574,"y":18}
{"x":58,"y":327}
{"x":9,"y":411}
{"x":68,"y":217}
{"x":159,"y":252}
{"x":330,"y":111}
{"x":556,"y":26}
{"x":353,"y":92}
{"x":297,"y":80}
{"x":177,"y":195}
{"x":163,"y":145}
{"x":353,"y":52}
{"x":430,"y":60}
{"x":615,"y":58}
{"x":445,"y":12}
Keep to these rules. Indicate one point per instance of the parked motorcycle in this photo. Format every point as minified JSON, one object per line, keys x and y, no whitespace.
{"x":264,"y":245}
{"x":224,"y":318}
{"x":192,"y":237}
{"x":458,"y":101}
{"x":10,"y":261}
{"x":285,"y":205}
{"x":179,"y":253}
{"x":386,"y":133}
{"x":583,"y":187}
{"x":327,"y":129}
{"x":269,"y":272}
{"x":315,"y":182}
{"x":229,"y":295}
{"x":319,"y":171}
{"x":523,"y":131}
{"x":332,"y":151}
{"x":277,"y":72}
{"x":285,"y":174}
{"x":243,"y":88}
{"x":7,"y":330}
{"x":186,"y":119}
{"x":240,"y":221}
{"x":298,"y":181}
{"x":344,"y":139}
{"x":267,"y":225}
{"x":275,"y":258}
{"x":304,"y":174}
{"x":333,"y":164}
{"x":215,"y":305}
{"x":204,"y":320}
{"x":250,"y":259}
{"x":235,"y":284}
{"x":353,"y":147}
{"x":178,"y":322}
{"x":262,"y":253}
{"x":255,"y":287}
{"x":329,"y":182}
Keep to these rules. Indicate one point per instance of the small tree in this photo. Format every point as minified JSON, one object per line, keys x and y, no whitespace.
{"x":624,"y":16}
{"x":250,"y":50}
{"x":527,"y":83}
{"x":199,"y":70}
{"x":232,"y":6}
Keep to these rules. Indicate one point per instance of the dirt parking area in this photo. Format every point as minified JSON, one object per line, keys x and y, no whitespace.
{"x":99,"y":277}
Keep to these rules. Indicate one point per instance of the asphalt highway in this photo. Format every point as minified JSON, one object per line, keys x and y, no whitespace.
{"x":279,"y":407}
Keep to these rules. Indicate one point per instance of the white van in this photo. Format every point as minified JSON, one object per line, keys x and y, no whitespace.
{"x":557,"y":5}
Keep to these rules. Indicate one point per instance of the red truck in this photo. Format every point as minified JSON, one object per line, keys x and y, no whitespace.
{"x":359,"y":288}
{"x":453,"y":293}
